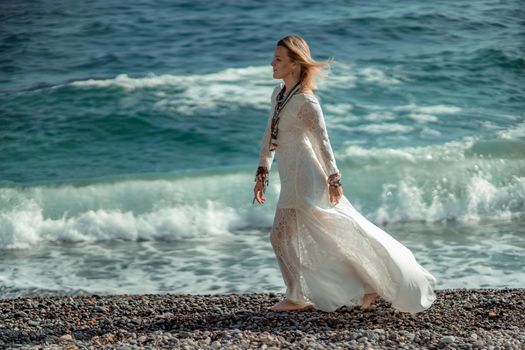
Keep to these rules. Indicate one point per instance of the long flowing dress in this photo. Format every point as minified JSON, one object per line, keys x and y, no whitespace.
{"x":329,"y":255}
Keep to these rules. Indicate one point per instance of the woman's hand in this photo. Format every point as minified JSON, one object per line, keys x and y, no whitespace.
{"x":335,"y":194}
{"x":258,"y":192}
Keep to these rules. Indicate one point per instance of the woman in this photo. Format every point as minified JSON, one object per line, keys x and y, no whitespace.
{"x":328,"y":253}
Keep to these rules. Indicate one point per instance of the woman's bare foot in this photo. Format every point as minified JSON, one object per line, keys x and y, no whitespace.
{"x":287,"y":305}
{"x":369,"y":299}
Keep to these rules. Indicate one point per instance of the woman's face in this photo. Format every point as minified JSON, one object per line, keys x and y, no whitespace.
{"x":282,"y":64}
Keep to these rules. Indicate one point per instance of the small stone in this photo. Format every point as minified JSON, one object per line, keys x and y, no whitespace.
{"x":267,"y":338}
{"x":66,"y":337}
{"x":362,"y":339}
{"x":216,"y":344}
{"x":33,"y":323}
{"x":447,"y":339}
{"x":142,"y":339}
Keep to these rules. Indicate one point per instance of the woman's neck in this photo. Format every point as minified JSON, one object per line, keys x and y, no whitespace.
{"x":289,"y":82}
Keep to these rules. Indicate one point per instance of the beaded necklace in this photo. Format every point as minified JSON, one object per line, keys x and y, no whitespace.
{"x":281,"y":102}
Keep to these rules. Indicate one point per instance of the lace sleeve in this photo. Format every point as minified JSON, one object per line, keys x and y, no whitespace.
{"x":265,"y":155}
{"x":312,"y":116}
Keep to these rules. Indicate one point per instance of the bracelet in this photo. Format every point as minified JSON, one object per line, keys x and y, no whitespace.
{"x":262,"y":175}
{"x":334,"y":180}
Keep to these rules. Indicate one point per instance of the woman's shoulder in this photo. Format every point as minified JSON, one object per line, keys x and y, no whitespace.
{"x":307,"y":96}
{"x":307,"y":103}
{"x":307,"y":91}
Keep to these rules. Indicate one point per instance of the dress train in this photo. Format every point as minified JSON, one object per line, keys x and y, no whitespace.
{"x":333,"y":257}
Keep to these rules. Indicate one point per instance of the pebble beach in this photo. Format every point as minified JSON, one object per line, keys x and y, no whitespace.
{"x":459,"y":319}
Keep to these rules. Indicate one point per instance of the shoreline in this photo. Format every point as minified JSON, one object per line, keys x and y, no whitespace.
{"x":460,"y":318}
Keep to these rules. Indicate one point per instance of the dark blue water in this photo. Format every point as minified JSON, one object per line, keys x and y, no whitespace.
{"x":139,"y":124}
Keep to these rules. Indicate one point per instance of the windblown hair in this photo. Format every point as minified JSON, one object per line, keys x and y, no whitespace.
{"x":299,"y":51}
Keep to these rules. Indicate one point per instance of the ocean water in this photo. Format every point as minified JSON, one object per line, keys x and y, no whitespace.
{"x":129,"y":138}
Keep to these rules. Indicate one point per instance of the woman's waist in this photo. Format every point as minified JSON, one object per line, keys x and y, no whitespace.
{"x":291,"y":141}
{"x":289,"y":152}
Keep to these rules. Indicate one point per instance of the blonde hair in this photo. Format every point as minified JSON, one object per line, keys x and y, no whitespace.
{"x":299,"y":51}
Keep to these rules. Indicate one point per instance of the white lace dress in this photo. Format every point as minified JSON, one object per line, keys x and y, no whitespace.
{"x":331,"y":255}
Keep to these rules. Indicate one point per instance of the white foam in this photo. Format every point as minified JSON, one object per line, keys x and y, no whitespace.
{"x":250,"y":87}
{"x":186,"y":93}
{"x":375,"y":75}
{"x":383,"y":128}
{"x":452,"y":150}
{"x":429,"y":183}
{"x":340,"y":109}
{"x":151,"y":80}
{"x":365,"y":154}
{"x":380,"y":116}
{"x":129,"y":83}
{"x":235,"y":87}
{"x":128,"y":210}
{"x":513,"y":132}
{"x":423,"y":118}
{"x":436,"y":109}
{"x":482,"y":195}
{"x":436,"y":182}
{"x":429,"y":132}
{"x":28,"y":226}
{"x":489,"y":125}
{"x":407,"y":200}
{"x":205,"y":265}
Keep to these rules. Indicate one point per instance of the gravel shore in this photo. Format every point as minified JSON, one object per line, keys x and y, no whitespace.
{"x":460,"y":318}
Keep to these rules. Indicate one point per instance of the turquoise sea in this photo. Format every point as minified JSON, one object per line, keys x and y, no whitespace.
{"x":130,"y":132}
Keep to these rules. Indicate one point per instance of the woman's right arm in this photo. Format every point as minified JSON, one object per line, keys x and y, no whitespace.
{"x":265,"y":155}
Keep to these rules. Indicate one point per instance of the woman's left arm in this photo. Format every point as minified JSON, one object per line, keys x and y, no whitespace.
{"x":312,"y":116}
